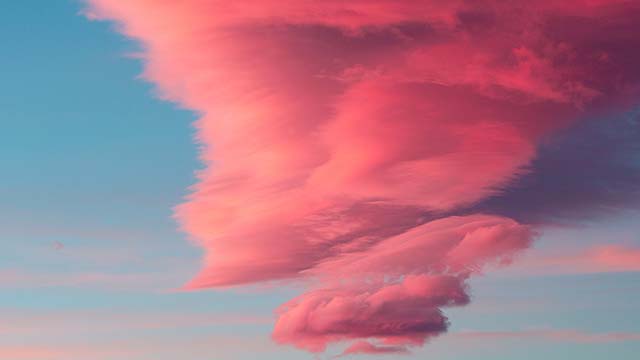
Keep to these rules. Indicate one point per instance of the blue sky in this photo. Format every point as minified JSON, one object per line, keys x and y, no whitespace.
{"x":93,"y":161}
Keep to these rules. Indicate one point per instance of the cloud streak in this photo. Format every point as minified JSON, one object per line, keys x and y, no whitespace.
{"x":358,"y":143}
{"x":365,"y":347}
{"x":606,"y":258}
{"x":576,"y":336}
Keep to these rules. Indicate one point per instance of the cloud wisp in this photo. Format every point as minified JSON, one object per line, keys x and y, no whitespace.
{"x":605,"y":258}
{"x":357,"y":143}
{"x":563,"y":336}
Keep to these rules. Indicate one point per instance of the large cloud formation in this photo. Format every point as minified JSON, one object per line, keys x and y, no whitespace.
{"x":378,"y":147}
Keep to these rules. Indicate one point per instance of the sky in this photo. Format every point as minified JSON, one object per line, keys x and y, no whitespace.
{"x":311,"y":180}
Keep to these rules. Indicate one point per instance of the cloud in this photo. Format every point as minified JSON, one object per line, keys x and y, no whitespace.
{"x":388,"y":291}
{"x":365,"y":347}
{"x":99,"y":280}
{"x":606,"y":258}
{"x":63,"y":334}
{"x":587,"y":171}
{"x":21,"y":323}
{"x":141,"y":347}
{"x":453,"y":245}
{"x":364,"y":144}
{"x":576,"y":336}
{"x":31,"y":353}
{"x":406,"y":313}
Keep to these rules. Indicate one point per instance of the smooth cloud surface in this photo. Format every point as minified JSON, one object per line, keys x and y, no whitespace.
{"x":344,"y":141}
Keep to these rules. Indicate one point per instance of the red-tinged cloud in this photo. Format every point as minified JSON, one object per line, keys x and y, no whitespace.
{"x":564,"y":336}
{"x":616,"y":257}
{"x":403,"y":313}
{"x":353,"y":142}
{"x":28,"y":353}
{"x":596,"y":259}
{"x":389,"y":292}
{"x":365,"y":347}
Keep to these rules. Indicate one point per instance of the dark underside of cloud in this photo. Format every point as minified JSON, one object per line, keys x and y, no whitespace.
{"x":589,"y":170}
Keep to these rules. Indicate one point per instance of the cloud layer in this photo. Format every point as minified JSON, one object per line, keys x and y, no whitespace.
{"x":358,"y":143}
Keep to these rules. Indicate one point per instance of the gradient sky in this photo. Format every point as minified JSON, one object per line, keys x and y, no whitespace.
{"x":94,"y":163}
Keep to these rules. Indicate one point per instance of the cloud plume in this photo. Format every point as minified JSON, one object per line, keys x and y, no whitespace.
{"x":366,"y":145}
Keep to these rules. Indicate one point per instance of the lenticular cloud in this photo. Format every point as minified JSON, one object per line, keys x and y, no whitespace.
{"x":349,"y":142}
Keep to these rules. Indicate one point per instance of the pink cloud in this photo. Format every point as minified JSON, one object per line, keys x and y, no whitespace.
{"x":18,"y":278}
{"x":614,"y":258}
{"x":24,"y":324}
{"x":40,"y":352}
{"x":139,"y":347}
{"x":340,"y":137}
{"x":454,"y":245}
{"x":406,"y":313}
{"x":365,"y":347}
{"x":388,"y":291}
{"x":564,"y":336}
{"x":596,"y":259}
{"x":57,"y":334}
{"x":20,"y":353}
